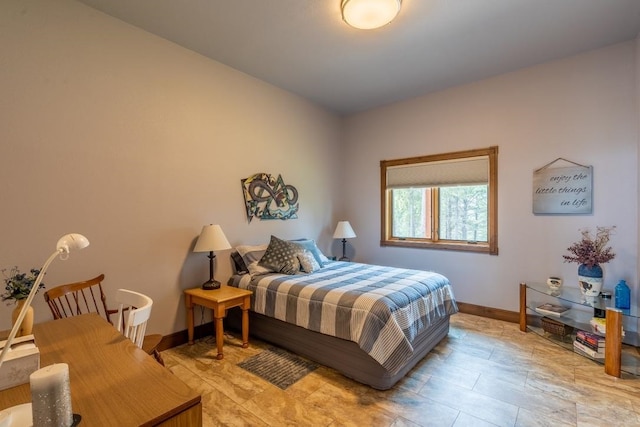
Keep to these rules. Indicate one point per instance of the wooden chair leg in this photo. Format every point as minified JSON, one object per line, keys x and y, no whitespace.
{"x":150,"y":345}
{"x":158,"y":357}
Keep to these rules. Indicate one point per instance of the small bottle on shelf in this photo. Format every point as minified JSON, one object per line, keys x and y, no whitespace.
{"x":623,"y":295}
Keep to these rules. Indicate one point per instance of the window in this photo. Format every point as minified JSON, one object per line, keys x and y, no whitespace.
{"x":442,"y":201}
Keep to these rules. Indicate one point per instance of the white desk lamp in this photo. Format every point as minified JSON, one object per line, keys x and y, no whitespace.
{"x":64,"y":246}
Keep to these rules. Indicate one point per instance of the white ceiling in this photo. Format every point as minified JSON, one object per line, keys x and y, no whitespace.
{"x":304,"y":47}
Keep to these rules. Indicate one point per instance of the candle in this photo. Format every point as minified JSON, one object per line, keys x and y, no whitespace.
{"x":51,"y":396}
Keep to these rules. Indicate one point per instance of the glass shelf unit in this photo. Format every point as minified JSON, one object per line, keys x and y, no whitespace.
{"x":622,"y":354}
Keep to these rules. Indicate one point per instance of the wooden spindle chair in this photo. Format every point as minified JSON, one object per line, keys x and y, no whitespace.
{"x":79,"y":298}
{"x":85,"y":297}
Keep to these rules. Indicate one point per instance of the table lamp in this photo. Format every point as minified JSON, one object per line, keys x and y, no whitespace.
{"x":211,"y":239}
{"x":344,"y":232}
{"x":66,"y":243}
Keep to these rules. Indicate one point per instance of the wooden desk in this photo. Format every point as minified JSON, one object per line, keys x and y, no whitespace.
{"x":219,"y":300}
{"x":113,"y":382}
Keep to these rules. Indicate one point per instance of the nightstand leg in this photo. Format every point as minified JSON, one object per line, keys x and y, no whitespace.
{"x":245,"y":327}
{"x":219,"y":337}
{"x":189,"y":304}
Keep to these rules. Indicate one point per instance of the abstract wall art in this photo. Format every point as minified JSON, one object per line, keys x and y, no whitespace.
{"x":268,"y":197}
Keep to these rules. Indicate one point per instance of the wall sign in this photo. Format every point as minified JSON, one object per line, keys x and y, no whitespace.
{"x":268,"y":197}
{"x":563,"y":190}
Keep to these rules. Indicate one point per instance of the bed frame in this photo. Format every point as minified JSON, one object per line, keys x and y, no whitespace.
{"x":342,"y":355}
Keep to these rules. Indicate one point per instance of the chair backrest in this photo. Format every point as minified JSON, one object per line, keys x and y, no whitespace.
{"x":134,"y":310}
{"x":78,"y":298}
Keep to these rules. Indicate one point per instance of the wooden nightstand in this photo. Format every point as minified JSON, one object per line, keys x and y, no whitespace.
{"x":219,"y":300}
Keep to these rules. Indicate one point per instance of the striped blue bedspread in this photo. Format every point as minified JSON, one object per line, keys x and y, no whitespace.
{"x":380,"y":308}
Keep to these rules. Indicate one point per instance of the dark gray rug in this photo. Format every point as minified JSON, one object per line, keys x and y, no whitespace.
{"x":278,"y":366}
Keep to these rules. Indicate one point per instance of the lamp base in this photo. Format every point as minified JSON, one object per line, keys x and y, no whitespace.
{"x":210,"y":285}
{"x":344,"y":253}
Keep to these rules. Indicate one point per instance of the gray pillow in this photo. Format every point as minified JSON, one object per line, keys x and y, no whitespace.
{"x":281,"y":256}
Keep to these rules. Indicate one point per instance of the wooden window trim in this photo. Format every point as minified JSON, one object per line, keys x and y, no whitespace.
{"x":491,"y":247}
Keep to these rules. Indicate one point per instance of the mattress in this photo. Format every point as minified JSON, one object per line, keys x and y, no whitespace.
{"x":382,"y":310}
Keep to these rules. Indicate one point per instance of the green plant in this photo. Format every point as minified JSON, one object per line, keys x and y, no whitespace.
{"x":592,"y":250}
{"x":18,"y":285}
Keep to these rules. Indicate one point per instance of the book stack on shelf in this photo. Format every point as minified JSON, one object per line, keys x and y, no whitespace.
{"x":590,"y":344}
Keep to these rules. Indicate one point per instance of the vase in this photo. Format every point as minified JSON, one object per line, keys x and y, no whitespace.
{"x":590,"y":279}
{"x":26,"y":328}
{"x":555,"y":283}
{"x":623,"y":295}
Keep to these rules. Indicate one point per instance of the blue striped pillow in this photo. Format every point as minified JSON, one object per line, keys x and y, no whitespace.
{"x":251,"y":255}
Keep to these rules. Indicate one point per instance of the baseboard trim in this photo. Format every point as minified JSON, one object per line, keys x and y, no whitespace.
{"x":489,"y":312}
{"x":181,"y":337}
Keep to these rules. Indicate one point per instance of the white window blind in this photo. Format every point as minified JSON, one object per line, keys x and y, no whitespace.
{"x":471,"y":171}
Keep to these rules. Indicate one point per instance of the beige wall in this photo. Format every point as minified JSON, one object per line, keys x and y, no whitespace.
{"x":111,"y":132}
{"x":582,"y":108}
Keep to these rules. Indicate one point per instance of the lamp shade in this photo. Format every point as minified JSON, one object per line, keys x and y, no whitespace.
{"x":211,"y":238}
{"x":369,"y":14}
{"x":344,"y":231}
{"x":73,"y":241}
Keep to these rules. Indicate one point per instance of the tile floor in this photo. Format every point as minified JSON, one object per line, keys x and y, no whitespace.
{"x":485,"y":373}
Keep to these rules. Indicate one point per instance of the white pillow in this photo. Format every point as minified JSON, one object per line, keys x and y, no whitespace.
{"x":310,"y":245}
{"x":308,"y":263}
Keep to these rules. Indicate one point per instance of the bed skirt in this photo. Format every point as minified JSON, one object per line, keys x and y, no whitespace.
{"x":342,"y":355}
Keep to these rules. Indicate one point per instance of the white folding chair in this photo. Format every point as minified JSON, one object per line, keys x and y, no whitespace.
{"x":134,"y":310}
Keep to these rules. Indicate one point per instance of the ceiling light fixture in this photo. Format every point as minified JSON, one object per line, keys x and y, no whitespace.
{"x":369,"y":14}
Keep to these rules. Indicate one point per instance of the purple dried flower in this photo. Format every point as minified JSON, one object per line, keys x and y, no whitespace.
{"x":592,"y":250}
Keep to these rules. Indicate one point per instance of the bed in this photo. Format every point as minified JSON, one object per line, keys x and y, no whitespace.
{"x":371,"y":323}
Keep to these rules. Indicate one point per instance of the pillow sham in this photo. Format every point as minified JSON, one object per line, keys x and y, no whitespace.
{"x":281,"y":256}
{"x":310,"y":245}
{"x":251,"y":256}
{"x":308,"y":263}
